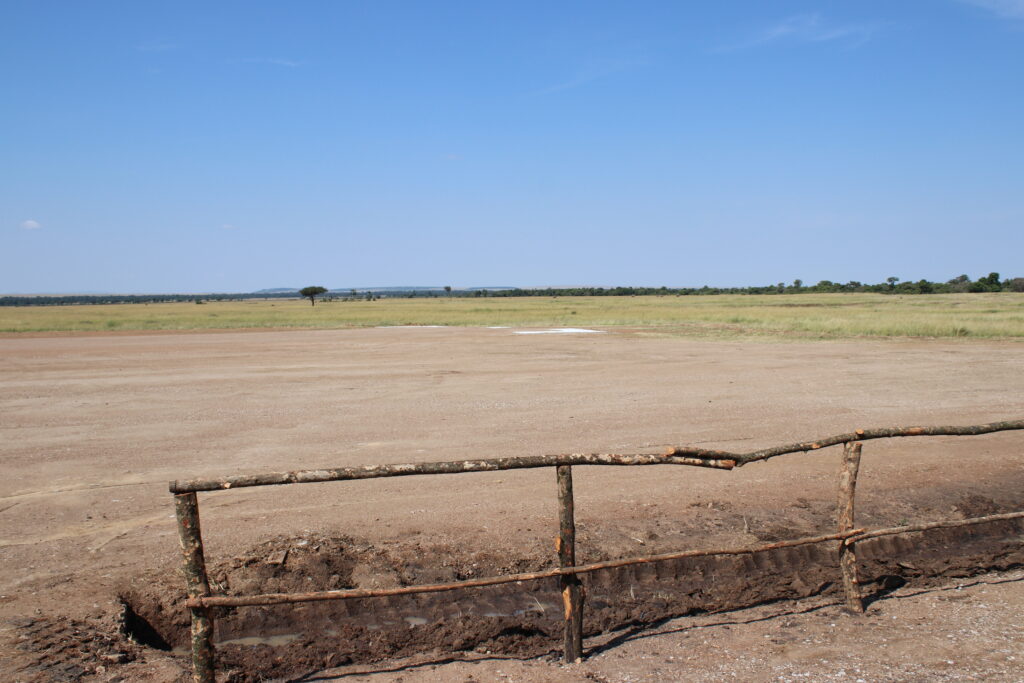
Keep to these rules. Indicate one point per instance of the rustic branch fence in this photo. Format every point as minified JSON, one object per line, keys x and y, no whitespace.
{"x":201,"y":602}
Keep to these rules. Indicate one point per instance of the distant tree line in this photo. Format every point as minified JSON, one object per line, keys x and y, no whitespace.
{"x":892,"y":285}
{"x":73,"y":299}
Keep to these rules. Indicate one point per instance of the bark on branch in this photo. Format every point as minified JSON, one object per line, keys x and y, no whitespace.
{"x":890,"y":531}
{"x":572,"y":589}
{"x":847,"y":554}
{"x":450,"y":467}
{"x":682,"y":455}
{"x":284,"y":598}
{"x":858,"y":435}
{"x":848,"y":537}
{"x":186,"y":508}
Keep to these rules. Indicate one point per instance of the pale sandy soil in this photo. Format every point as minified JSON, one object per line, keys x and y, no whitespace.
{"x":93,"y":427}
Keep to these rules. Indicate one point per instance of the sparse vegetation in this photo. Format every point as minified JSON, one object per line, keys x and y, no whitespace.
{"x":892,"y":285}
{"x":808,"y":316}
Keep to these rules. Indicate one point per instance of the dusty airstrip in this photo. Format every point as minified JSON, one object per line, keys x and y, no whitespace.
{"x":93,"y":427}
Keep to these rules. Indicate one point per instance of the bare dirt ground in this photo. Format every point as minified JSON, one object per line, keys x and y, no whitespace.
{"x":93,"y":428}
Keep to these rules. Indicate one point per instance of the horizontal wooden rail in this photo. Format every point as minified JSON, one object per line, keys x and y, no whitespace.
{"x":681,"y":455}
{"x":932,"y":525}
{"x":858,"y":435}
{"x":450,"y":467}
{"x":285,"y":598}
{"x":848,"y":537}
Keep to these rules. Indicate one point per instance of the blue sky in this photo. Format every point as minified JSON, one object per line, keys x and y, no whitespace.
{"x":231,"y":146}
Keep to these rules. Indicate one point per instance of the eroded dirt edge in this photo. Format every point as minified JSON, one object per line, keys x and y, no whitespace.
{"x":148,"y":630}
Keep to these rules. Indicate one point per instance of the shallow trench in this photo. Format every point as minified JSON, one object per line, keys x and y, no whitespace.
{"x":256,"y":643}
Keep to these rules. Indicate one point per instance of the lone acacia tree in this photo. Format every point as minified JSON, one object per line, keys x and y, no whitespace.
{"x":312,"y":293}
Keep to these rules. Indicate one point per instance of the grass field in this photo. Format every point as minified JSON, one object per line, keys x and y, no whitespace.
{"x":806,"y":315}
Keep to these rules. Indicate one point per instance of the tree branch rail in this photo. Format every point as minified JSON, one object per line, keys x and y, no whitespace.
{"x":200,"y":602}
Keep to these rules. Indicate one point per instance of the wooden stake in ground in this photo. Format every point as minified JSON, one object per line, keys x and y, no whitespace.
{"x":186,"y":506}
{"x":572,"y":589}
{"x":847,"y":555}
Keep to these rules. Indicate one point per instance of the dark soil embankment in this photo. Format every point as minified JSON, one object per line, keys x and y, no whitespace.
{"x":522,"y":619}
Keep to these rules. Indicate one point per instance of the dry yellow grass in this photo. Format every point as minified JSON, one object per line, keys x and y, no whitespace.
{"x":806,"y":315}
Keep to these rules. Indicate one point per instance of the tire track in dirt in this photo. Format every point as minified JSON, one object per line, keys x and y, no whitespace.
{"x":43,"y":493}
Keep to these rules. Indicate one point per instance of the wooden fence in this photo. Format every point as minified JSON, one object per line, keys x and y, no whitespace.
{"x":200,"y":600}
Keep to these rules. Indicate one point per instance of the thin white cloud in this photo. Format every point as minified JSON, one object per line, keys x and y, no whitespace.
{"x":229,"y":226}
{"x":596,"y":73}
{"x":31,"y":225}
{"x":569,"y":85}
{"x":806,"y":28}
{"x":290,"y":63}
{"x":156,"y":46}
{"x":1010,"y":9}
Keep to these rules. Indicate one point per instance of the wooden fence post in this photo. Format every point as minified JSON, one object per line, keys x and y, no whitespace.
{"x":572,"y":589}
{"x":847,"y":554}
{"x":186,"y":507}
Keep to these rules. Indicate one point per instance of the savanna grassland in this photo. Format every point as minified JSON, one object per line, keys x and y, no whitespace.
{"x":993,"y":315}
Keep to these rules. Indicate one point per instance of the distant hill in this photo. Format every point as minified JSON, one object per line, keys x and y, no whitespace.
{"x":385,"y":289}
{"x":413,"y":288}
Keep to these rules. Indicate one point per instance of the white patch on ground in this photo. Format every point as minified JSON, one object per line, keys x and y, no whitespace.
{"x":408,"y":327}
{"x":560,"y":330}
